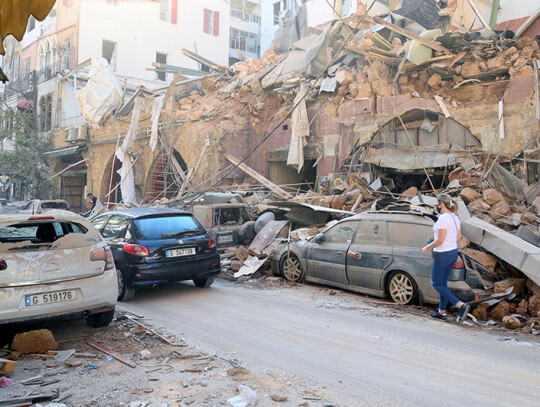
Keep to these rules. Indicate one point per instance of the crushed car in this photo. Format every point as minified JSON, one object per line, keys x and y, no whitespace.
{"x":377,"y":253}
{"x":55,"y":266}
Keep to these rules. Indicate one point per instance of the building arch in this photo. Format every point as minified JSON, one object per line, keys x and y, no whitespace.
{"x":418,"y":140}
{"x":161,"y":181}
{"x":110,"y":182}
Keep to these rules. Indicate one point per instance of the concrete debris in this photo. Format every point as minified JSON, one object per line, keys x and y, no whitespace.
{"x":39,"y":341}
{"x":511,"y":322}
{"x":517,"y":284}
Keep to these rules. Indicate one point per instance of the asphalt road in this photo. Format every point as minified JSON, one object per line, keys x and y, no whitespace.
{"x":361,"y":352}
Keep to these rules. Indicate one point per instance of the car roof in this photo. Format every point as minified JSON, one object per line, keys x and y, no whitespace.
{"x":58,"y":215}
{"x":396,"y":216}
{"x":142,"y":212}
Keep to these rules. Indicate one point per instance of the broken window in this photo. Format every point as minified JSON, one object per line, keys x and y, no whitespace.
{"x":342,"y":233}
{"x":211,"y":22}
{"x":277,"y":12}
{"x":168,"y":11}
{"x":229,"y":216}
{"x":161,"y":59}
{"x":109,"y":52}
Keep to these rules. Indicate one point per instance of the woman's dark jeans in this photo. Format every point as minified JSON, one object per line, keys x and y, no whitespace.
{"x":442,"y":266}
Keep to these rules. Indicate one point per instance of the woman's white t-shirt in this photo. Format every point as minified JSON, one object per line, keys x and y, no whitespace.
{"x":451,"y":223}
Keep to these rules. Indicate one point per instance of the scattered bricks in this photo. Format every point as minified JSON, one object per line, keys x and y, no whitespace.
{"x":364,"y":90}
{"x":525,"y":70}
{"x":479,"y":204}
{"x":242,"y":253}
{"x":534,"y":305}
{"x":469,"y":68}
{"x":533,"y":287}
{"x":524,"y":42}
{"x":39,"y":341}
{"x":396,"y":45}
{"x":498,"y":62}
{"x":435,"y":80}
{"x":313,"y":231}
{"x":500,"y":311}
{"x":510,"y":51}
{"x":522,"y":308}
{"x":528,"y":217}
{"x":514,"y":58}
{"x":518,"y":208}
{"x":536,"y":205}
{"x":527,"y":329}
{"x":480,"y":312}
{"x":236,"y":265}
{"x":527,"y":52}
{"x":485,"y":259}
{"x":499,"y":209}
{"x":338,"y":201}
{"x":326,"y":203}
{"x":535,"y":45}
{"x":518,"y":285}
{"x":344,"y":77}
{"x":463,"y":242}
{"x":208,"y":84}
{"x":469,"y":195}
{"x":409,"y":193}
{"x":492,"y":196}
{"x":511,"y":322}
{"x":483,"y":66}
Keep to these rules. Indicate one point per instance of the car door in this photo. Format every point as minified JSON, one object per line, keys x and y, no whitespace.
{"x":326,"y":259}
{"x":100,"y":222}
{"x":369,"y":254}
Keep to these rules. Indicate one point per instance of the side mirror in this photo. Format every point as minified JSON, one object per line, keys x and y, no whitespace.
{"x":318,"y":238}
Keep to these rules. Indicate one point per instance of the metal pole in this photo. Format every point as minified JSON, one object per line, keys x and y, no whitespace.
{"x":494,"y":12}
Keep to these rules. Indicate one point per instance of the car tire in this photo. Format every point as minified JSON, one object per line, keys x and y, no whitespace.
{"x":246,"y":233}
{"x":101,"y":319}
{"x":204,"y":282}
{"x":125,"y":293}
{"x":402,"y":288}
{"x":291,"y":268}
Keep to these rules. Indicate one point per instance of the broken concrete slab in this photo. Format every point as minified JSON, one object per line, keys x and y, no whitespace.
{"x":510,"y":248}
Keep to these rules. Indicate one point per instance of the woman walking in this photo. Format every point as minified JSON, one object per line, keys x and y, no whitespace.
{"x":447,"y":232}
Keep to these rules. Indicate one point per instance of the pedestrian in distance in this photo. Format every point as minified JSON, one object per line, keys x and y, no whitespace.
{"x":447,"y":232}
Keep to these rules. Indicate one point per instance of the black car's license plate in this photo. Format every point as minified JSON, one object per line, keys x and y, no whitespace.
{"x":180,"y":252}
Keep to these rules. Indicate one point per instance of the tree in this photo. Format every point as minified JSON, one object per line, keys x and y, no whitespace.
{"x":25,"y":163}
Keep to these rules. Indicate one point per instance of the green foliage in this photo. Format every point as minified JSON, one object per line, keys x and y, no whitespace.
{"x":26,"y":164}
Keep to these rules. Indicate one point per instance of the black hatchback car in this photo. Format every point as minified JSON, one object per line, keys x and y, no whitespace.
{"x":158,"y":245}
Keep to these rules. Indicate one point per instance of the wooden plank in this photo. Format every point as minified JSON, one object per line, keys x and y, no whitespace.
{"x":428,"y":43}
{"x":7,"y":366}
{"x":167,"y":341}
{"x":111,"y":352}
{"x":442,"y":105}
{"x":266,"y":182}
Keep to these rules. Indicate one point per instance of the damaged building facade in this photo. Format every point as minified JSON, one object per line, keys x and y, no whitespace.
{"x":378,"y":102}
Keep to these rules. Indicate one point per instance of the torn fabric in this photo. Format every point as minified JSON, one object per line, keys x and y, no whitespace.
{"x":101,"y":95}
{"x":157,"y":107}
{"x":300,"y":130}
{"x":127,"y":183}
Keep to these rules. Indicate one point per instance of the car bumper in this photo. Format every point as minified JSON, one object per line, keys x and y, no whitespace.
{"x":94,"y":294}
{"x":181,"y":270}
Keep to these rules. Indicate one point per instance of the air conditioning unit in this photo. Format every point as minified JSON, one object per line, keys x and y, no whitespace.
{"x":77,"y":134}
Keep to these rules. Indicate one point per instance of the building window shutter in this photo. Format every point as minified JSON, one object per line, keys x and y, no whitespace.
{"x":206,"y":20}
{"x":174,"y":11}
{"x":216,"y":22}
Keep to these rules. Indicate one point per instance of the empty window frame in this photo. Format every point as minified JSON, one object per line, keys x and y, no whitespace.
{"x":244,"y":41}
{"x":161,"y":58}
{"x":277,"y":12}
{"x":109,"y":51}
{"x":168,"y":11}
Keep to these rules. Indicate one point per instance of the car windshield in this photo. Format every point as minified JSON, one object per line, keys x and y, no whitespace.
{"x":168,"y":227}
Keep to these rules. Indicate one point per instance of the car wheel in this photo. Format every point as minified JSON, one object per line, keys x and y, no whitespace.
{"x":101,"y":319}
{"x":291,"y":268}
{"x":124,"y":292}
{"x":402,"y":288}
{"x":204,"y":282}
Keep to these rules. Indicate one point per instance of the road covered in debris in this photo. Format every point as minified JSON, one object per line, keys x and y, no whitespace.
{"x":354,"y":350}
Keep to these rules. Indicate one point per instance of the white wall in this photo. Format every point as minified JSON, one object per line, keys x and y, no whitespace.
{"x":137,"y":29}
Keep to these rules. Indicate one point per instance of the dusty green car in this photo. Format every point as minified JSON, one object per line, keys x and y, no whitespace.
{"x":374,"y":253}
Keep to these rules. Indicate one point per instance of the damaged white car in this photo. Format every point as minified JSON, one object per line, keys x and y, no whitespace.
{"x":55,"y":266}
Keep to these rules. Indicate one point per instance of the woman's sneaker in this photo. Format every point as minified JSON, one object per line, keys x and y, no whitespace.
{"x":462,"y":313}
{"x":438,"y":315}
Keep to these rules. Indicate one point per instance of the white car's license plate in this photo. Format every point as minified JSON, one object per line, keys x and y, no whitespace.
{"x":180,"y":252}
{"x":228,"y":238}
{"x":50,"y":298}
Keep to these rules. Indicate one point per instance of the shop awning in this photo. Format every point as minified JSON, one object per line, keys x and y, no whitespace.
{"x":63,"y":151}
